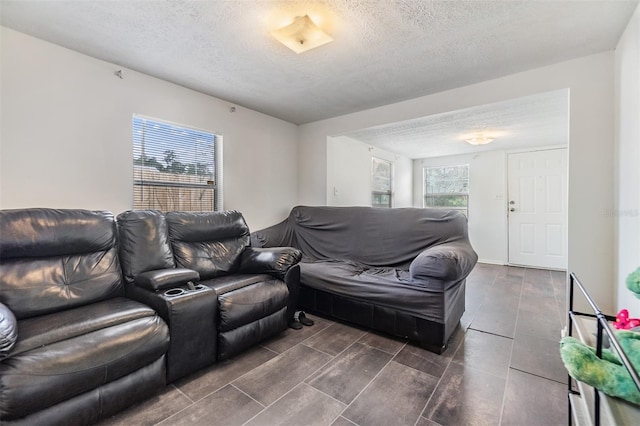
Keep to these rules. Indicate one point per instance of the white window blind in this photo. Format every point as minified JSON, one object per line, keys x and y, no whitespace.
{"x":381,"y":176}
{"x":175,"y":168}
{"x":447,"y":187}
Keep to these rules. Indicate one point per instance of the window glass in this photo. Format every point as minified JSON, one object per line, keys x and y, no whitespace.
{"x":381,"y":176}
{"x":175,"y":168}
{"x":447,"y":187}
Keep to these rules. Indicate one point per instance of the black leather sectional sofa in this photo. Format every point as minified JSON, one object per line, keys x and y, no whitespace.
{"x":97,"y":314}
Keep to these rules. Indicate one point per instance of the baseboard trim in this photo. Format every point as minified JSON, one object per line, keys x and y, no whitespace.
{"x":492,"y":262}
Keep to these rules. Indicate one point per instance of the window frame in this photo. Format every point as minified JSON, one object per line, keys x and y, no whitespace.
{"x":425,"y":187}
{"x":140,"y":184}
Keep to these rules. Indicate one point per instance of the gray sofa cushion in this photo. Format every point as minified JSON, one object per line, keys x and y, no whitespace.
{"x":383,"y":286}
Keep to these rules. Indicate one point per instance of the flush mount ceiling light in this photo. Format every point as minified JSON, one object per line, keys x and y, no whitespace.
{"x":301,"y":35}
{"x":479,"y":140}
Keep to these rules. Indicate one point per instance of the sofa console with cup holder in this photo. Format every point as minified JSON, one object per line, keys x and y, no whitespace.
{"x":198,"y":270}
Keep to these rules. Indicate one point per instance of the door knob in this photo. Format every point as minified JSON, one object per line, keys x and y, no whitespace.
{"x":512,"y":202}
{"x":512,"y":209}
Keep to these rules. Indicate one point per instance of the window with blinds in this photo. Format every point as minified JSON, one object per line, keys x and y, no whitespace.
{"x":381,"y":183}
{"x":175,"y":168}
{"x":447,"y":187}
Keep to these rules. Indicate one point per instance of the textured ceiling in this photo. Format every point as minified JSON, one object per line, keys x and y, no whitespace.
{"x":384,"y":51}
{"x":531,"y":121}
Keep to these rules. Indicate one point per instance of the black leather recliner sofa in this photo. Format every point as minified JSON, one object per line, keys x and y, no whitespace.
{"x":257,"y":288}
{"x":73,"y":348}
{"x":179,"y":260}
{"x":77,"y":344}
{"x":401,"y":271}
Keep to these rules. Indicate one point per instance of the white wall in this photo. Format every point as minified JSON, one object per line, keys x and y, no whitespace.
{"x":487,"y":195}
{"x":591,"y":83}
{"x":66,"y":134}
{"x":349,"y":173}
{"x":627,"y":171}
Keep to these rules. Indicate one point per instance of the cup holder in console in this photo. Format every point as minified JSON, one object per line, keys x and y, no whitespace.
{"x":173,"y":292}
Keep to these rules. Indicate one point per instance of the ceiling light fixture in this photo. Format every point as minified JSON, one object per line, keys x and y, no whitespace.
{"x":479,"y":140}
{"x":301,"y":35}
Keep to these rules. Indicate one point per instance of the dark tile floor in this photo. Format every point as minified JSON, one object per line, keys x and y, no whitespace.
{"x":502,"y":367}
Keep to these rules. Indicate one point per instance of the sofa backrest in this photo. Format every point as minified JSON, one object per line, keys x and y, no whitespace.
{"x":209,"y":242}
{"x":144,"y":242}
{"x":373,"y":236}
{"x":52,"y":260}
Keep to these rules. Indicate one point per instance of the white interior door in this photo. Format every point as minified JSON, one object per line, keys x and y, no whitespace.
{"x":538,"y":208}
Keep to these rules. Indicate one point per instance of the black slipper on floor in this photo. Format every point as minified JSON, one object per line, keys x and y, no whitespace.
{"x":296,"y":325}
{"x":304,"y":320}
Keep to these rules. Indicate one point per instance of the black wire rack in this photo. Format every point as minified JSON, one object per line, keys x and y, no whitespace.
{"x":603,"y":327}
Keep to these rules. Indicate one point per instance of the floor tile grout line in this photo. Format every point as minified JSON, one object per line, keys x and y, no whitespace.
{"x":382,"y":350}
{"x":491,"y":333}
{"x":422,"y":413}
{"x":174,"y":414}
{"x":211,"y":393}
{"x":324,"y":393}
{"x":303,"y":381}
{"x":180,"y":391}
{"x":266,"y":407}
{"x":249,"y":371}
{"x":327,"y":353}
{"x":248,"y":395}
{"x":369,"y":384}
{"x":319,"y":350}
{"x":506,"y":383}
{"x":439,"y":380}
{"x":229,"y":383}
{"x":560,"y":313}
{"x":304,"y":340}
{"x":297,"y":344}
{"x":495,"y":278}
{"x":504,"y":392}
{"x":282,"y":353}
{"x":269,"y":349}
{"x":333,"y":357}
{"x":478,"y":309}
{"x":305,"y":378}
{"x":537,"y":375}
{"x":185,"y":408}
{"x":350,"y":421}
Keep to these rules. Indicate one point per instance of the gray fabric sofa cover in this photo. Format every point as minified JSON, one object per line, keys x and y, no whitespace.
{"x":401,"y":271}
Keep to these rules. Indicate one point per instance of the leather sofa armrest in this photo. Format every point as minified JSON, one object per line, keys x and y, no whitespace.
{"x":275,"y":260}
{"x":8,"y":331}
{"x":165,"y":278}
{"x":446,"y":262}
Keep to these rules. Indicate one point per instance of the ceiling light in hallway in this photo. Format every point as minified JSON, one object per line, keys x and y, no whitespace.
{"x":479,"y":140}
